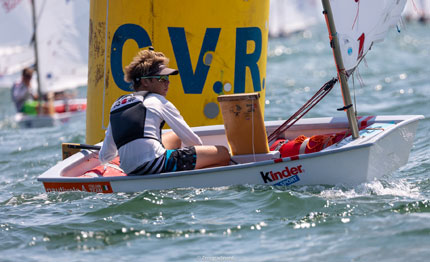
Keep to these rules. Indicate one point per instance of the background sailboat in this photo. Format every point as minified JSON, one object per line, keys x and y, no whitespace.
{"x":290,"y":16}
{"x":16,"y":51}
{"x":62,"y":50}
{"x":62,"y":35}
{"x":417,"y":10}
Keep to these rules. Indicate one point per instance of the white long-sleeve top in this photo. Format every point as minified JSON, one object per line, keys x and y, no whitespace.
{"x":20,"y":94}
{"x":139,"y":151}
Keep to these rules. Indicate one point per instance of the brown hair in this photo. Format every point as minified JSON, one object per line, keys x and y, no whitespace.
{"x":27,"y":72}
{"x":145,"y":63}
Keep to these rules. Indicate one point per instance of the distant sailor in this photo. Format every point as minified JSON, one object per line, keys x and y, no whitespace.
{"x":24,"y":99}
{"x":137,"y":119}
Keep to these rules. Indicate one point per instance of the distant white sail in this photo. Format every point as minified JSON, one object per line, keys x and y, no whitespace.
{"x":360,"y":23}
{"x":62,"y":32}
{"x":417,"y":9}
{"x":62,"y":35}
{"x":289,"y":16}
{"x":16,"y":51}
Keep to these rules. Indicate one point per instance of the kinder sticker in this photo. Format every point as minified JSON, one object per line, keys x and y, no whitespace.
{"x":288,"y":181}
{"x":287,"y":176}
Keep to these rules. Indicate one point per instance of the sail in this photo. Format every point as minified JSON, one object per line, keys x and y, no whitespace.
{"x":360,"y":23}
{"x":62,"y":42}
{"x":62,"y":36}
{"x":290,"y":16}
{"x":417,"y":10}
{"x":16,"y":51}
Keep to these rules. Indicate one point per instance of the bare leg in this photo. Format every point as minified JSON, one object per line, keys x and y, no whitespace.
{"x":212,"y":156}
{"x":171,"y":140}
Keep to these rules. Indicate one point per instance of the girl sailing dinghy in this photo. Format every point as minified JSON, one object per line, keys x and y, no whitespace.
{"x":330,"y":151}
{"x":381,"y":148}
{"x":59,"y":52}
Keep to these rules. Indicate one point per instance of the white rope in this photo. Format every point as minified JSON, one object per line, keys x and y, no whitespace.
{"x":252,"y":123}
{"x":104,"y":66}
{"x":303,"y":146}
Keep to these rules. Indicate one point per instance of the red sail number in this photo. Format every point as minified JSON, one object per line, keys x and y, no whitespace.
{"x":360,"y":47}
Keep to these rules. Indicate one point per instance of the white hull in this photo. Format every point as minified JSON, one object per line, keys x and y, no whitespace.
{"x":376,"y":153}
{"x":38,"y":121}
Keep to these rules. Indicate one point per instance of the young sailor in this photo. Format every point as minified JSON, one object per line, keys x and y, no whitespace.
{"x":136,"y":121}
{"x":24,"y":99}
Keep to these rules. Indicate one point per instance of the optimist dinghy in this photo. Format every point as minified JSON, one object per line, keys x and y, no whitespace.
{"x":59,"y":52}
{"x":65,"y":111}
{"x":315,"y":151}
{"x":382,"y":147}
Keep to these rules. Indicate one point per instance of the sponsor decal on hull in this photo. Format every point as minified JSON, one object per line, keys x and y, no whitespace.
{"x":287,"y":176}
{"x":95,"y":187}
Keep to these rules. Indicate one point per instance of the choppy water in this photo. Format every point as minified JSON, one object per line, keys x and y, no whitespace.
{"x":384,"y":220}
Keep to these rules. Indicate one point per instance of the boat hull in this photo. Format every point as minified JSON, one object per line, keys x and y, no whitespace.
{"x":37,"y":121}
{"x":379,"y":151}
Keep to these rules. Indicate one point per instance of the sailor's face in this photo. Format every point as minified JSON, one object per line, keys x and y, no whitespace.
{"x":160,"y":86}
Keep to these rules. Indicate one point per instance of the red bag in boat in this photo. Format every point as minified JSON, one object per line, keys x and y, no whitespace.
{"x":277,"y":144}
{"x":105,"y":170}
{"x":306,"y":145}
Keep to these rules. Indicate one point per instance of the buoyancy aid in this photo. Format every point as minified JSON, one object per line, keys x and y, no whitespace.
{"x":127,"y":118}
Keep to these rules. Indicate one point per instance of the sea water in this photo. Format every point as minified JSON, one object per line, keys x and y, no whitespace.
{"x":382,"y":220}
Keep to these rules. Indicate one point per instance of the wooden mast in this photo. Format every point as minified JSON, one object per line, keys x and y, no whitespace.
{"x":343,"y":79}
{"x":36,"y":56}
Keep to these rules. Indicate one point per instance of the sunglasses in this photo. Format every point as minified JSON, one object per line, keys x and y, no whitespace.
{"x":160,"y":78}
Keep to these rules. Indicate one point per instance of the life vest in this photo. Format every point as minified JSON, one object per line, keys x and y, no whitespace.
{"x":127,"y":119}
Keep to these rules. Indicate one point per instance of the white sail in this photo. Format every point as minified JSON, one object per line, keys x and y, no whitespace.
{"x":289,"y":16}
{"x":417,"y":9}
{"x":16,"y":51}
{"x":360,"y":23}
{"x":62,"y":36}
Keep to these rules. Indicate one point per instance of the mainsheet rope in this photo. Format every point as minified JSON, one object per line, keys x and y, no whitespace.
{"x":319,"y":95}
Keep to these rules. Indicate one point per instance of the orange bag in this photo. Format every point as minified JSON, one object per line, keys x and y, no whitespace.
{"x":305,"y":145}
{"x":105,"y":170}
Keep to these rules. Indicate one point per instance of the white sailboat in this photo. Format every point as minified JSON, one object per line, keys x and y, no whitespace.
{"x":291,"y":16}
{"x":16,"y":51}
{"x":417,"y":10}
{"x":365,"y":147}
{"x":61,"y":46}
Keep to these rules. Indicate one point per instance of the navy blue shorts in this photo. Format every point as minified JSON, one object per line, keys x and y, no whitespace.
{"x":180,"y":159}
{"x":170,"y":161}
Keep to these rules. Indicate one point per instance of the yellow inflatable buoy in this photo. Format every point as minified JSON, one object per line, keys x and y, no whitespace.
{"x":218,"y":46}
